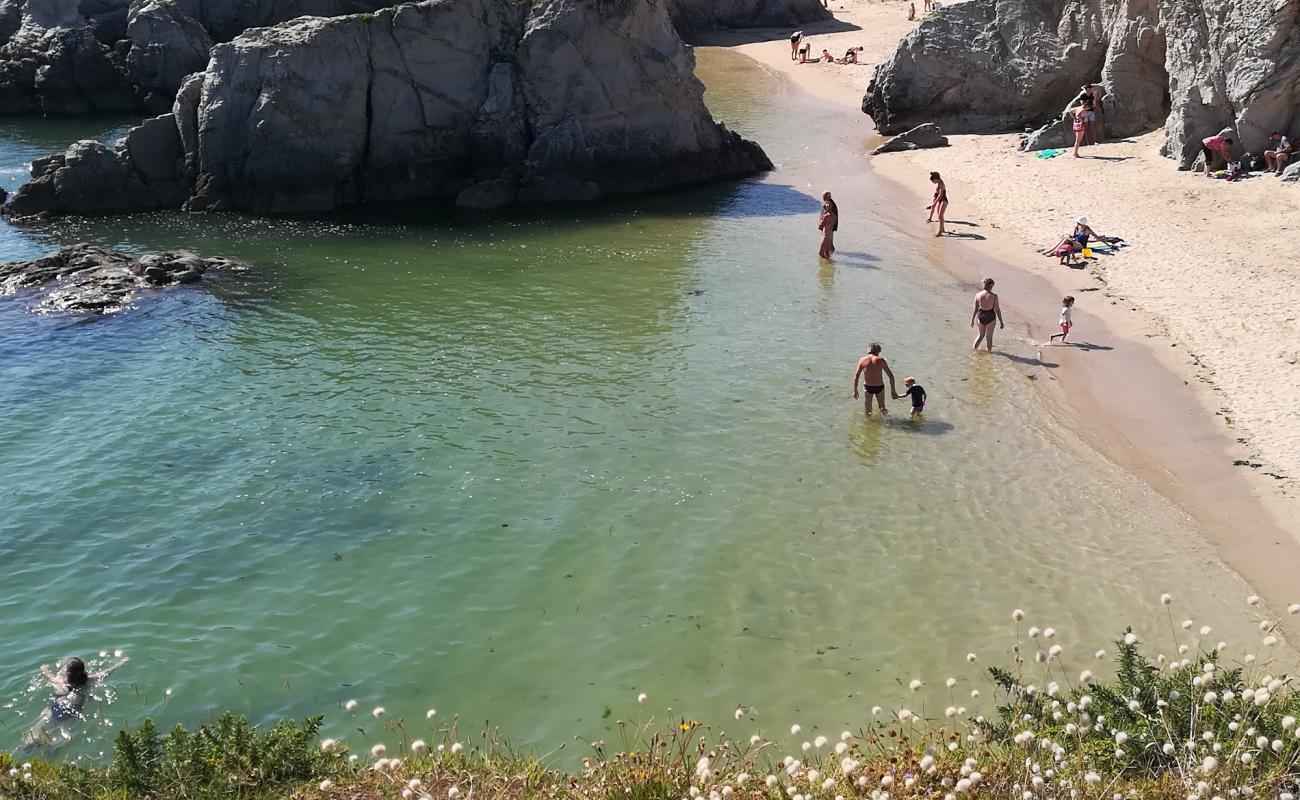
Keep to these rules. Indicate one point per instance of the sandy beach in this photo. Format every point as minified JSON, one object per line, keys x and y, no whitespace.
{"x":1200,"y":290}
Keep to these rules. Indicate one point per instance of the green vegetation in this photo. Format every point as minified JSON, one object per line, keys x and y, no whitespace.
{"x":1174,"y":727}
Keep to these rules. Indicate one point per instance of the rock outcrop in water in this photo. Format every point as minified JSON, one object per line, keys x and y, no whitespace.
{"x":487,"y":101}
{"x":98,"y":280}
{"x":1193,"y":66}
{"x":77,"y":56}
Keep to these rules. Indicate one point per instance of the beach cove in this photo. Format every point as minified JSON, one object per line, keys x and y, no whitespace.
{"x":526,"y":469}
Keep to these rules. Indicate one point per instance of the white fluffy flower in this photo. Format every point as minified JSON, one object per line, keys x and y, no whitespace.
{"x":971,"y":658}
{"x":328,"y":745}
{"x":378,"y":750}
{"x":794,"y":729}
{"x":1130,"y":638}
{"x":1294,"y":608}
{"x":378,"y":712}
{"x":771,"y":781}
{"x":755,"y":739}
{"x":431,"y":713}
{"x":1209,"y":765}
{"x":915,"y":685}
{"x":1252,"y":600}
{"x":1017,"y":615}
{"x":739,"y":713}
{"x":350,"y":705}
{"x":326,"y":785}
{"x":453,"y":791}
{"x":1054,"y":650}
{"x":1085,"y":676}
{"x":819,"y":742}
{"x":1092,"y":778}
{"x":1206,"y":630}
{"x":1269,"y":641}
{"x":641,"y":698}
{"x":1166,"y":599}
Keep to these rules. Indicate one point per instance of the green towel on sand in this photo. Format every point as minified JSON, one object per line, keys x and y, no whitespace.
{"x":1048,"y":153}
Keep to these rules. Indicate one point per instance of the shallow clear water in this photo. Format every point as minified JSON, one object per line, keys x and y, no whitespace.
{"x":526,"y":468}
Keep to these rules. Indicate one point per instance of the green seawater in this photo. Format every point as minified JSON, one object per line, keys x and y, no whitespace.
{"x":525,"y":467}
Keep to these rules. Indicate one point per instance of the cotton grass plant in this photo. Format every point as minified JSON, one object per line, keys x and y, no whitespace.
{"x":1175,"y":719}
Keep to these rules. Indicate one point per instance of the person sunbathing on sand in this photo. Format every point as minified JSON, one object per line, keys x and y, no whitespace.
{"x":1077,"y":240}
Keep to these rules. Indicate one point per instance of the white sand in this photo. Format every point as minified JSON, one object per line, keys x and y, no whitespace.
{"x":1210,"y":272}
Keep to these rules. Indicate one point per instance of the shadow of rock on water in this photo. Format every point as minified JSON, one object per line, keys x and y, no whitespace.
{"x":761,"y":199}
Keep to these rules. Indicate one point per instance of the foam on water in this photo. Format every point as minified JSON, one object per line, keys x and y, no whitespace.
{"x":526,"y":467}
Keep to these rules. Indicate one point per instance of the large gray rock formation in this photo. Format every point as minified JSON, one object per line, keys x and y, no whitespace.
{"x":53,"y":64}
{"x":695,"y":16}
{"x":86,"y":278}
{"x":166,"y":45}
{"x":487,"y":101}
{"x":918,"y":138}
{"x":1193,"y":66}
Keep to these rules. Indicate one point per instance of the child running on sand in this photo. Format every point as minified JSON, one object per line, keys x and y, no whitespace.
{"x":1067,"y":303}
{"x":916,"y":392}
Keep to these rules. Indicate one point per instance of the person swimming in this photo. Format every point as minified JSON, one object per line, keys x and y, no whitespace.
{"x":71,"y":689}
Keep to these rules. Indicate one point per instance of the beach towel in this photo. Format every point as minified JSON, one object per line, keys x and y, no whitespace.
{"x":1045,"y":154}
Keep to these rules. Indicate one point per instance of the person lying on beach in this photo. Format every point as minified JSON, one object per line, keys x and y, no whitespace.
{"x":1077,"y":240}
{"x":1275,"y":159}
{"x":71,"y":690}
{"x":1065,"y":321}
{"x":871,"y":369}
{"x":1217,"y":145}
{"x":916,"y":392}
{"x":988,"y":310}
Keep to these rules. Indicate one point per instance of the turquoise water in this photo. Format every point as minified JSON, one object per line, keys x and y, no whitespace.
{"x":525,"y":468}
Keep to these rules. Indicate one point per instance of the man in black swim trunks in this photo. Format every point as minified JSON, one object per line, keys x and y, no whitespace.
{"x":871,"y":369}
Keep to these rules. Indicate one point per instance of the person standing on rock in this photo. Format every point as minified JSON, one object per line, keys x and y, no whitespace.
{"x":828,"y":224}
{"x":988,"y":310}
{"x":940,"y":203}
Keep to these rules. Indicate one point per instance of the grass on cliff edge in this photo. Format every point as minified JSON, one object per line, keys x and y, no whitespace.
{"x":1189,"y":725}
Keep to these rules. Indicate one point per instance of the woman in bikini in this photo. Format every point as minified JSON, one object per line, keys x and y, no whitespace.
{"x":940,"y":204}
{"x":828,"y":224}
{"x":987,"y":311}
{"x":1080,"y":115}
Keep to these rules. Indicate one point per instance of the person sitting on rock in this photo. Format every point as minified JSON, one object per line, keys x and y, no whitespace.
{"x":1215,"y":146}
{"x":1276,"y":158}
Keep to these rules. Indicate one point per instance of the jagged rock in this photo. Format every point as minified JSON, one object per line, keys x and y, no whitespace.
{"x":145,"y":171}
{"x":87,"y":278}
{"x":1291,"y":173}
{"x":1053,"y":135}
{"x":987,"y":65}
{"x":166,"y":46}
{"x":695,"y":16}
{"x":53,"y":64}
{"x":488,"y":101}
{"x":1231,"y":63}
{"x":107,"y":17}
{"x":920,"y":137}
{"x":11,"y":16}
{"x":1193,"y":65}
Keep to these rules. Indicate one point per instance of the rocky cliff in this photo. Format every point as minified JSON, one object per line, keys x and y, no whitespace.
{"x":1193,"y":66}
{"x":487,"y":101}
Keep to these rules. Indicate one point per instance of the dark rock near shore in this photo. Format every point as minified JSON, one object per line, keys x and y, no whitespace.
{"x":87,"y":278}
{"x":918,"y":138}
{"x":487,"y":101}
{"x":695,"y":16}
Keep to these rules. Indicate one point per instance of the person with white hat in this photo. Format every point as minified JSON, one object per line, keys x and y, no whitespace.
{"x":1076,"y":241}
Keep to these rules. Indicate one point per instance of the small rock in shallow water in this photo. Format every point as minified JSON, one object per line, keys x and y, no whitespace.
{"x":87,"y":278}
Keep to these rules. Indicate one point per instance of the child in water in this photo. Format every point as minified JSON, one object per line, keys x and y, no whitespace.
{"x":70,"y":692}
{"x":1067,"y":303}
{"x":916,"y":392}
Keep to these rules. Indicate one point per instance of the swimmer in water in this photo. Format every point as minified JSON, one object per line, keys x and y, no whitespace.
{"x":70,"y":692}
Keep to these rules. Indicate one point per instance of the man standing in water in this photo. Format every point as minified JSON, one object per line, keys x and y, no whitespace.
{"x":871,"y":369}
{"x":987,"y":311}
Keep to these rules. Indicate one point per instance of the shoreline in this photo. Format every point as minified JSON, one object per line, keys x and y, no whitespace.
{"x":1160,"y":414}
